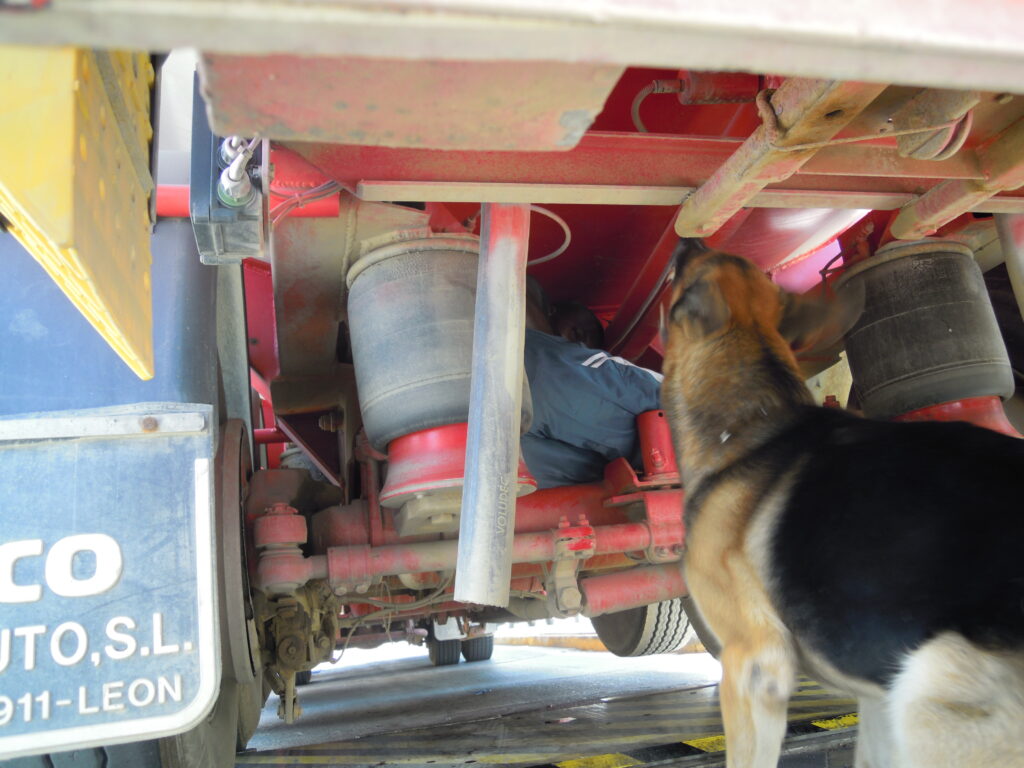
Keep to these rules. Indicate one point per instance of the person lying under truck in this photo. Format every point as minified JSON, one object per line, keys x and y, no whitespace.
{"x":585,"y":401}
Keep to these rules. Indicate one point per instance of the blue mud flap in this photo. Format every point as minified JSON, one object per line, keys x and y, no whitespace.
{"x":108,"y":629}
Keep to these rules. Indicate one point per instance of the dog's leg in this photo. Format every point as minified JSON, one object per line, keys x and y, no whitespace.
{"x":874,"y":735}
{"x":758,"y":678}
{"x":955,"y":704}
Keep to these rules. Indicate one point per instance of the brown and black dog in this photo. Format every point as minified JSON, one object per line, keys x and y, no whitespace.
{"x":885,"y":559}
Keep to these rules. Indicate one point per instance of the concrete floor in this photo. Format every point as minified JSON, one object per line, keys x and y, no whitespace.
{"x":395,"y":688}
{"x":527,"y":706}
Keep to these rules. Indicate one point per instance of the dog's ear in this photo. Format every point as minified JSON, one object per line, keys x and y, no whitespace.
{"x":811,"y":323}
{"x":686,"y":249}
{"x":703,"y":305}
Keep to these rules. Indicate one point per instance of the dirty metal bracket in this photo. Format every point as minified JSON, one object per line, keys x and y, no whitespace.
{"x":1002,"y":164}
{"x":802,"y":111}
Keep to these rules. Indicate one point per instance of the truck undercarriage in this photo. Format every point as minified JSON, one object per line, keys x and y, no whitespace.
{"x":350,"y":298}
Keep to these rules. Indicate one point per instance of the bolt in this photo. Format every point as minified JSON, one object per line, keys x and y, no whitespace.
{"x":290,"y":649}
{"x":563,"y":522}
{"x":323,"y":643}
{"x":657,"y":459}
{"x":570,"y":598}
{"x":677,"y":549}
{"x":660,"y":551}
{"x":330,"y":422}
{"x":150,"y":424}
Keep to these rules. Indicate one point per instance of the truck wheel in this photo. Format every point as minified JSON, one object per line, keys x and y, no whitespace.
{"x":209,"y":744}
{"x":444,"y":652}
{"x":251,"y":699}
{"x":650,"y":629}
{"x":700,"y":628}
{"x":242,"y":694}
{"x":478,"y":648}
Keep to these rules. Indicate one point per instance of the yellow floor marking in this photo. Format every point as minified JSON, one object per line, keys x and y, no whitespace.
{"x":845,"y":721}
{"x":599,"y":761}
{"x":708,"y":743}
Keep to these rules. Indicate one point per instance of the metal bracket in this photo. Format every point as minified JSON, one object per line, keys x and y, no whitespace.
{"x":573,"y":544}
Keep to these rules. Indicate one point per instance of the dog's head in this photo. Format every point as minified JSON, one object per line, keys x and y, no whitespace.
{"x":715,"y":292}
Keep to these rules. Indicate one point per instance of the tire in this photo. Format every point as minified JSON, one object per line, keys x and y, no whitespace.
{"x":444,"y":652}
{"x":205,"y":745}
{"x":479,"y":648}
{"x":139,"y":754}
{"x":657,"y":628}
{"x":700,"y":628}
{"x":251,"y":699}
{"x":304,"y":677}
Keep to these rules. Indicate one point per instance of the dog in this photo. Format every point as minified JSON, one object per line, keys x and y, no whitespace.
{"x":884,"y":559}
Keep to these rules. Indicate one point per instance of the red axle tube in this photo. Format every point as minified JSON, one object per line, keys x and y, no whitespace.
{"x":623,"y":590}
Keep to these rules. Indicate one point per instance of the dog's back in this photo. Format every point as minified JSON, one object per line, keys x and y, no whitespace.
{"x":895,"y":533}
{"x":885,"y":558}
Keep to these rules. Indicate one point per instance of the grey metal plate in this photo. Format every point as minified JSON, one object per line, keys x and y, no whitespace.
{"x":107,"y":591}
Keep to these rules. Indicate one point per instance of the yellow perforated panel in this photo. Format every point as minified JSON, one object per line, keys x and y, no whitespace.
{"x":75,"y":182}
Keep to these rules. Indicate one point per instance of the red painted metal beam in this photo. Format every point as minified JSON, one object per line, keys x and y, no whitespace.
{"x":801,"y":112}
{"x":1002,"y":165}
{"x":607,"y":158}
{"x":172,"y":202}
{"x":354,"y":565}
{"x":632,"y":588}
{"x":348,"y":567}
{"x":621,"y":335}
{"x":264,"y":435}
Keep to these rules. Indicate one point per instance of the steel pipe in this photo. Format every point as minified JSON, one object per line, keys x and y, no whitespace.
{"x":355,"y":565}
{"x":265,"y":435}
{"x":492,"y":450}
{"x":172,"y":202}
{"x":623,"y":590}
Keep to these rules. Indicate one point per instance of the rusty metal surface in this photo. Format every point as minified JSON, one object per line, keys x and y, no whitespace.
{"x":803,"y":111}
{"x":308,"y":258}
{"x":932,"y":107}
{"x":391,"y":103}
{"x":1002,"y":163}
{"x":614,"y":159}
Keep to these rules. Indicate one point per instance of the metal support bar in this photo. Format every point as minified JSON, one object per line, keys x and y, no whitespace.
{"x":1011,"y":237}
{"x":1003,"y":166}
{"x":495,"y":400}
{"x":347,"y":567}
{"x":800,"y":112}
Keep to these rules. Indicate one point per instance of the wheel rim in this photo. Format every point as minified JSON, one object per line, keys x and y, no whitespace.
{"x":235,"y":465}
